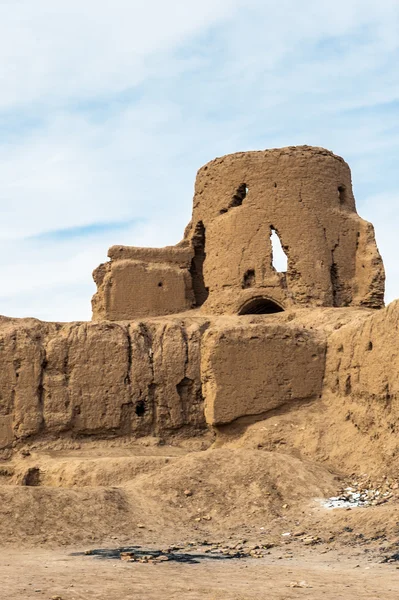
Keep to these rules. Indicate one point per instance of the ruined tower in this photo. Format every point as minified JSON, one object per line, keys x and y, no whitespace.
{"x":224,"y":263}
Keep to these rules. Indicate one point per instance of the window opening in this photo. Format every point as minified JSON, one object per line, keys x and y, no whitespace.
{"x":342,"y":194}
{"x":237,"y":199}
{"x":279,"y":257}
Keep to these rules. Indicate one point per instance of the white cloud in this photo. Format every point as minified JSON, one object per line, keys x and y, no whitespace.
{"x":107,"y":110}
{"x":60,"y":51}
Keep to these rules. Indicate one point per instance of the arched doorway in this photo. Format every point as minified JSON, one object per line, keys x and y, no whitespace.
{"x":260,"y":306}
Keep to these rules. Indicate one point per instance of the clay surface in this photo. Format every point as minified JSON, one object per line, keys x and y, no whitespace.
{"x":99,"y":378}
{"x":169,"y":376}
{"x":251,"y":369}
{"x":140,"y":282}
{"x":305,"y":195}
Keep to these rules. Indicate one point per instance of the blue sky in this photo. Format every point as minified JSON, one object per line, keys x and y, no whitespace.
{"x":108,"y":109}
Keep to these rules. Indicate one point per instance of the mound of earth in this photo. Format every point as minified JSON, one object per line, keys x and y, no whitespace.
{"x":39,"y":515}
{"x":231,"y":488}
{"x":82,"y":498}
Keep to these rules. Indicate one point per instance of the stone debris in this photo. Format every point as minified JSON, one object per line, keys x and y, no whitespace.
{"x":143,"y":558}
{"x":191,"y":552}
{"x":363,"y":492}
{"x":299,"y":584}
{"x":310,"y":540}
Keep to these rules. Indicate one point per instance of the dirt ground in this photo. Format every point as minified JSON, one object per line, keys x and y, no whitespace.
{"x":57,"y":501}
{"x":57,"y":574}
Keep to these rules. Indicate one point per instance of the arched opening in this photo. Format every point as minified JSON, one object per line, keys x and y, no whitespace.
{"x":342,"y":194}
{"x":260,"y":306}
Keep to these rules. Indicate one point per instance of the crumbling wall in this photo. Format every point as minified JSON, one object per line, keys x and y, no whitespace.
{"x":174,"y":376}
{"x":158,"y":377}
{"x":353,"y":427}
{"x":127,"y":374}
{"x":304,"y":194}
{"x":363,"y":369}
{"x":143,"y":282}
{"x":139,"y":378}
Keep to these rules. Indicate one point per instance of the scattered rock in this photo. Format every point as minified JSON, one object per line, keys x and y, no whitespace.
{"x":310,"y":540}
{"x":299,"y":584}
{"x":363,"y":493}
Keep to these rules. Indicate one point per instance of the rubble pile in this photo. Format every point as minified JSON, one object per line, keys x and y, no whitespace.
{"x":363,"y":492}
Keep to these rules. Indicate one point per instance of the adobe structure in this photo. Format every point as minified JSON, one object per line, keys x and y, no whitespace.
{"x":224,"y":263}
{"x":193,"y":339}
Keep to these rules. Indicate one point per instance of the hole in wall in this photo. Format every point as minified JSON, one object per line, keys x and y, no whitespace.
{"x":140,"y":408}
{"x":260,"y":306}
{"x":160,"y":284}
{"x":201,"y":292}
{"x":239,"y":196}
{"x":342,"y":194}
{"x":370,"y":346}
{"x":248,"y":279}
{"x":185,"y":389}
{"x":31,"y":477}
{"x":279,"y":257}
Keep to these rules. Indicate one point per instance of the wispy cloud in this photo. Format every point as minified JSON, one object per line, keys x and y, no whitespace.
{"x":85,"y":231}
{"x":107,"y":110}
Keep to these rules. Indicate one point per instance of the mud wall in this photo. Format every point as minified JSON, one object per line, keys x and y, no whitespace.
{"x":106,"y":379}
{"x":158,"y":377}
{"x":362,"y":370}
{"x":250,"y":370}
{"x":175,"y":376}
{"x":143,"y":282}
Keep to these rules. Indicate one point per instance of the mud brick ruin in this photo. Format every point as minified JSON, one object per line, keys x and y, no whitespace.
{"x":224,"y":263}
{"x":190,"y":339}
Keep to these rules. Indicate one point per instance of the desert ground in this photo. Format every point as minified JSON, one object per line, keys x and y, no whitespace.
{"x":57,"y":574}
{"x":252,"y":520}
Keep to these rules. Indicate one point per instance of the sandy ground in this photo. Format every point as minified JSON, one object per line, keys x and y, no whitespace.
{"x":55,"y":503}
{"x":58,"y":574}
